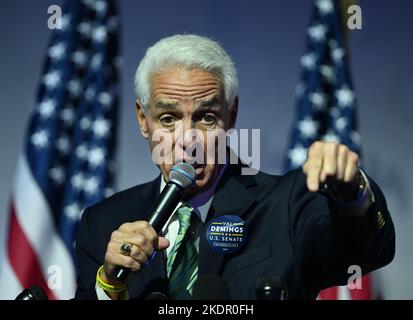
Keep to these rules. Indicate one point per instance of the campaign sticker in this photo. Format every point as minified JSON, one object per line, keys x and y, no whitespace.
{"x":226,"y":234}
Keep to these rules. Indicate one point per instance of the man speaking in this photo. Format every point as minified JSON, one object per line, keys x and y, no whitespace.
{"x":306,"y":228}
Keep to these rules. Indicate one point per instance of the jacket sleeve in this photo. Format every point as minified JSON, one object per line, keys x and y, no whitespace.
{"x":327,"y":240}
{"x":87,"y":264}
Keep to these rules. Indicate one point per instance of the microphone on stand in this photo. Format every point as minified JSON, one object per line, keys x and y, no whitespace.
{"x":270,"y":288}
{"x":182,"y":177}
{"x":34,"y":293}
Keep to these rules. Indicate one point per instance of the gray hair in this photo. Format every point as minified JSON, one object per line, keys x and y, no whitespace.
{"x":188,"y":51}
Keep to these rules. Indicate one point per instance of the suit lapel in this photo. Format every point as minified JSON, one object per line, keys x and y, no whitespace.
{"x":231,"y":198}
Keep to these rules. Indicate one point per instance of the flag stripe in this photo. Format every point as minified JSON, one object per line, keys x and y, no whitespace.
{"x":35,"y":220}
{"x":23,"y":258}
{"x":9,"y":283}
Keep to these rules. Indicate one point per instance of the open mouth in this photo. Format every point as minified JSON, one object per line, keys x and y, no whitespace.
{"x":199,"y":167}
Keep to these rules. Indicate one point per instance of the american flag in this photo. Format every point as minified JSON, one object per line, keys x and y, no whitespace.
{"x":326,"y":103}
{"x":67,"y":161}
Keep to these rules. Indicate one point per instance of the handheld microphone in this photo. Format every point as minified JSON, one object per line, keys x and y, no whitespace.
{"x":181,"y":178}
{"x":270,"y":288}
{"x":34,"y":293}
{"x":210,"y":287}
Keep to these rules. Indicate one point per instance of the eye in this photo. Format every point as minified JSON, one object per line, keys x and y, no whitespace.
{"x":167,"y":120}
{"x":208,"y":119}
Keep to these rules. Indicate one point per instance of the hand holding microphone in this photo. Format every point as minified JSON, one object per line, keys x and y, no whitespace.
{"x":132,"y":245}
{"x":143,"y":241}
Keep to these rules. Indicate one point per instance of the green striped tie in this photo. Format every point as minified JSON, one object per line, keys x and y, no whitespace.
{"x":182,"y":265}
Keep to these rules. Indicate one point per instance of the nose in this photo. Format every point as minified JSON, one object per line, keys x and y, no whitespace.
{"x":188,"y":140}
{"x":184,"y":134}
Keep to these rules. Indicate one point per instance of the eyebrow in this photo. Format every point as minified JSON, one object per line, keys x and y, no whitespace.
{"x":167,"y":106}
{"x":209,"y":103}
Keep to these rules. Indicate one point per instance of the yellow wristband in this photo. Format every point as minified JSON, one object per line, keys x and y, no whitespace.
{"x":108,"y":287}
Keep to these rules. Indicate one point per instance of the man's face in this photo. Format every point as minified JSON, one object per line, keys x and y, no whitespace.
{"x":182,"y":100}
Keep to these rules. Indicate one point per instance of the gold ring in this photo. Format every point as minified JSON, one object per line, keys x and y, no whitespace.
{"x":126,"y":249}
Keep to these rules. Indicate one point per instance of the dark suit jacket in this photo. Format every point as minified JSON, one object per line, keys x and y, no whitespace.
{"x":302,"y":237}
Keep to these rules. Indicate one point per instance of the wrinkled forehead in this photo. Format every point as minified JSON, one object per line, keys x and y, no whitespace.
{"x":177,"y":85}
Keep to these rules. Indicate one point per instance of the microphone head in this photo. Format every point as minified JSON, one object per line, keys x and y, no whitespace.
{"x":183,"y":174}
{"x":270,"y":288}
{"x":38,"y":293}
{"x":34,"y":293}
{"x":210,"y":287}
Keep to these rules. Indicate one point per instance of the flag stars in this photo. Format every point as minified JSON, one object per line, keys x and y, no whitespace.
{"x":345,"y":97}
{"x":96,"y":157}
{"x":318,"y":99}
{"x":341,"y":123}
{"x":338,"y":54}
{"x":100,"y":7}
{"x":47,"y":108}
{"x":74,"y":87}
{"x":105,"y":99}
{"x":63,"y":145}
{"x":57,"y":51}
{"x":68,"y":116}
{"x":52,"y":79}
{"x":66,"y":19}
{"x":57,"y":174}
{"x":325,"y":6}
{"x":317,"y":32}
{"x":81,"y":151}
{"x":100,"y":34}
{"x":355,"y":138}
{"x":297,"y":155}
{"x":85,"y":123}
{"x":97,"y":61}
{"x":308,"y":61}
{"x":101,"y":127}
{"x":73,"y":212}
{"x":308,"y":127}
{"x":85,"y":29}
{"x":40,"y":139}
{"x":90,"y":93}
{"x":79,"y":58}
{"x":91,"y":186}
{"x":331,"y":137}
{"x":328,"y":73}
{"x":77,"y":181}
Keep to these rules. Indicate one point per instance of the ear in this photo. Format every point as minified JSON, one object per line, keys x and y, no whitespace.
{"x":141,"y":117}
{"x":233,"y":113}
